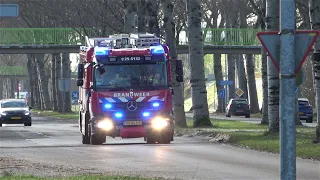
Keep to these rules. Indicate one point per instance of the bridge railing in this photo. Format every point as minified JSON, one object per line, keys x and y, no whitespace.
{"x":71,"y":36}
{"x":43,"y":36}
{"x":13,"y":71}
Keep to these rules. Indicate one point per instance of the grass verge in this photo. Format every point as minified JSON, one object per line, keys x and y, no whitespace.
{"x":70,"y":115}
{"x":256,"y":137}
{"x":92,"y":177}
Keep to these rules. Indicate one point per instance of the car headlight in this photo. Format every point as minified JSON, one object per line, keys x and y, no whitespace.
{"x":159,"y":123}
{"x":3,"y":113}
{"x":27,"y":113}
{"x":105,"y":125}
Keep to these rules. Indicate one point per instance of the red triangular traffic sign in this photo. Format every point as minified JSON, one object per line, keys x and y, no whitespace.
{"x":304,"y":41}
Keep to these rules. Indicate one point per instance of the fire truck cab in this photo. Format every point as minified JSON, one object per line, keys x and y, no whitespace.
{"x":125,"y":89}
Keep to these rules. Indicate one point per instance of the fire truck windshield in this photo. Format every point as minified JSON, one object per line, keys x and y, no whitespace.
{"x":128,"y":76}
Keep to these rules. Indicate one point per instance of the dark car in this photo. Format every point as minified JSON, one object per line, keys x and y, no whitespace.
{"x":15,"y":111}
{"x":238,"y":107}
{"x":305,"y":110}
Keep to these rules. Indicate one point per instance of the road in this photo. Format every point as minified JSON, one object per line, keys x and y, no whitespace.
{"x":56,"y":145}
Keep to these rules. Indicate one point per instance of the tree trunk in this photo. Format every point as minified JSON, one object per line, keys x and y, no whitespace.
{"x":242,"y":78}
{"x":217,"y":68}
{"x":58,"y":78}
{"x":1,"y":87}
{"x":264,"y":70}
{"x":53,"y":81}
{"x":32,"y":79}
{"x":130,"y":14}
{"x":315,"y":24}
{"x":178,"y":96}
{"x":254,"y":103}
{"x":231,"y":75}
{"x":142,"y":16}
{"x":43,"y":82}
{"x":66,"y":75}
{"x":152,"y":12}
{"x":197,"y":80}
{"x":12,"y":87}
{"x":272,"y":21}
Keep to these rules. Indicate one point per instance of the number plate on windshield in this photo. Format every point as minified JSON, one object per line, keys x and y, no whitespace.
{"x":132,"y":123}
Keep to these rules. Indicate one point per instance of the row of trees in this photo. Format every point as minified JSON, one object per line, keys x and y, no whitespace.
{"x":167,"y":18}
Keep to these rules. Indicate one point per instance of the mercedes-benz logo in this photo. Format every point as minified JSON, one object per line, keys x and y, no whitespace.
{"x":132,"y":105}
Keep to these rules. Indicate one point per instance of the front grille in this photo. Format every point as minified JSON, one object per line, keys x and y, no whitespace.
{"x":15,"y":112}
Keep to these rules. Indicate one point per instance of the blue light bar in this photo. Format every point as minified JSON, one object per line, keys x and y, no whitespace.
{"x":157,"y":50}
{"x":155,"y":104}
{"x":108,"y":106}
{"x":146,"y":114}
{"x":101,"y":51}
{"x":118,"y":115}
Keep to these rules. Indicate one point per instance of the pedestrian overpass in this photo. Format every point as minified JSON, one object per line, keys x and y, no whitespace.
{"x":69,"y":40}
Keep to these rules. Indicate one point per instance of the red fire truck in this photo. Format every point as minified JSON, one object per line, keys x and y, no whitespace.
{"x":125,"y":89}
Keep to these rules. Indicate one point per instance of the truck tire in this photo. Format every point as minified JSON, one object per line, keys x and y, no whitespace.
{"x":97,"y":139}
{"x":165,"y":139}
{"x":150,"y":139}
{"x":85,"y":139}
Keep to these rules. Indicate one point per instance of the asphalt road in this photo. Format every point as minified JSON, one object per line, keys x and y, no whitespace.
{"x":58,"y":143}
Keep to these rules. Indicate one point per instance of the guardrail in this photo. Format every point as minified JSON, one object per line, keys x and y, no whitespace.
{"x":74,"y":36}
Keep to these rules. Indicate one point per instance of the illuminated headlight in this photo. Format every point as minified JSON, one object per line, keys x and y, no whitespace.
{"x":105,"y":125}
{"x":27,"y":113}
{"x":3,"y":113}
{"x":159,"y":123}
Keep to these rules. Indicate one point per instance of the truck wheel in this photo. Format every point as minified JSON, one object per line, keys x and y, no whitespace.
{"x":28,"y":124}
{"x":97,"y":139}
{"x":165,"y":139}
{"x":85,"y":139}
{"x":150,"y":139}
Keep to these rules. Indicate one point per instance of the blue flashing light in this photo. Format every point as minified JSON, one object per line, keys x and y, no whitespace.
{"x":155,"y":104}
{"x":118,"y":115}
{"x":157,"y":50}
{"x":101,"y":51}
{"x":108,"y":106}
{"x":146,"y":114}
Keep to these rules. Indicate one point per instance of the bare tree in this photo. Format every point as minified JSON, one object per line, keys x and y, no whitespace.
{"x":130,"y":10}
{"x":197,"y":80}
{"x":315,"y":24}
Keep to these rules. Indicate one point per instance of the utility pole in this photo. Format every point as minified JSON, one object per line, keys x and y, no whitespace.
{"x":287,"y":90}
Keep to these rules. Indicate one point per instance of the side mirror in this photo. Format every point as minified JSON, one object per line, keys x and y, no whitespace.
{"x":179,"y":71}
{"x":80,"y":75}
{"x":30,"y":108}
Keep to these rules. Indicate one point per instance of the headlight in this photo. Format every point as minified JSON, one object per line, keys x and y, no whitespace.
{"x":159,"y":123}
{"x":105,"y":124}
{"x":27,"y":113}
{"x":3,"y":113}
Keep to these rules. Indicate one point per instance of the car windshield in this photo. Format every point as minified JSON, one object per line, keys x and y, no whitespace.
{"x":303,"y":103}
{"x":239,"y":102}
{"x":13,"y":104}
{"x":127,"y":76}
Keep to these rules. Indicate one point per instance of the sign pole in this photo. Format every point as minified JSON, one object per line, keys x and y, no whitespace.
{"x":287,"y":91}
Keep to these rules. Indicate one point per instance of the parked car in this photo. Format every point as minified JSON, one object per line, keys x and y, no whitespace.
{"x":305,"y":110}
{"x":15,"y":111}
{"x":238,"y":107}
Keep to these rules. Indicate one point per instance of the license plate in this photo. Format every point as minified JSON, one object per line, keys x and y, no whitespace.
{"x":239,"y":110}
{"x":15,"y":117}
{"x":132,"y":123}
{"x":301,"y":113}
